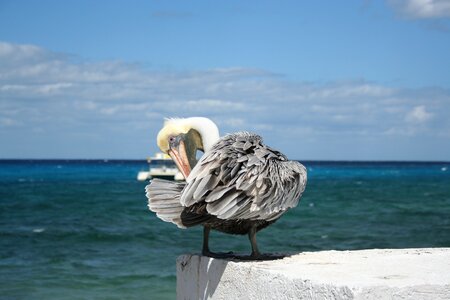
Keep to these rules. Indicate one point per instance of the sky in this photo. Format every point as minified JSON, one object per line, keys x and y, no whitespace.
{"x":318,"y":80}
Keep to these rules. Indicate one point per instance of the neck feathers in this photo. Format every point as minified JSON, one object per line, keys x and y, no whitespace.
{"x":207,"y":129}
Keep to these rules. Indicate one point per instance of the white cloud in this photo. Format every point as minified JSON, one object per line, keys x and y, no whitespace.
{"x":408,"y":131}
{"x":422,"y":9}
{"x":418,"y":115}
{"x":347,"y":90}
{"x":8,"y":122}
{"x":234,"y":122}
{"x":215,"y":105}
{"x":21,"y":52}
{"x":41,"y":89}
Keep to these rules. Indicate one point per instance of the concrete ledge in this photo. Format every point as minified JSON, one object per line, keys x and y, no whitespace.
{"x":364,"y":274}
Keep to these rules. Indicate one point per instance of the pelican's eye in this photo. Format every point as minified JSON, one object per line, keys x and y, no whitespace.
{"x":172,"y":140}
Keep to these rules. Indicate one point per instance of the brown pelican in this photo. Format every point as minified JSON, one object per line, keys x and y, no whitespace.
{"x":238,"y":186}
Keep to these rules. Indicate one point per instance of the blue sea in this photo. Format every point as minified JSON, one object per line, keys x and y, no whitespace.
{"x":82,"y":230}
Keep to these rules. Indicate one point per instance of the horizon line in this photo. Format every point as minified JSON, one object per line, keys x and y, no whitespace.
{"x":301,"y":160}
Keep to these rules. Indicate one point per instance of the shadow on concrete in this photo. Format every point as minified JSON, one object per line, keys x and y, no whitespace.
{"x":202,"y":275}
{"x":214,"y":269}
{"x":214,"y":272}
{"x":264,"y":257}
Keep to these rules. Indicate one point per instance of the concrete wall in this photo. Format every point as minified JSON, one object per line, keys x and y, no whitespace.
{"x":365,"y":274}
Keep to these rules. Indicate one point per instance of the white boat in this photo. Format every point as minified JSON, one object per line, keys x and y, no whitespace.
{"x":160,"y":166}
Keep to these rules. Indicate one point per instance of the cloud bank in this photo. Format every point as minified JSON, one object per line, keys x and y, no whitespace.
{"x":57,"y":105}
{"x":422,"y":9}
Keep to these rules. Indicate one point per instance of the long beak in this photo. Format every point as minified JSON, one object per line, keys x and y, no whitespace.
{"x":179,"y":156}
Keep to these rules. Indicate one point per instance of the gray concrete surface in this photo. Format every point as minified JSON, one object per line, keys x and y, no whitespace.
{"x":364,"y":274}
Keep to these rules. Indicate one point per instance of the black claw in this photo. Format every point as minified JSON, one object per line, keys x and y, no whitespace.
{"x":229,"y":254}
{"x":259,"y":256}
{"x":252,"y":257}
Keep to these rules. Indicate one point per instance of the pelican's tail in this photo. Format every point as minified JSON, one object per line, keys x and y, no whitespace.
{"x":164,"y":199}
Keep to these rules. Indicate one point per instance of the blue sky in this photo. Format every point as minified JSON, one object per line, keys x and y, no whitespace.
{"x":347,"y":80}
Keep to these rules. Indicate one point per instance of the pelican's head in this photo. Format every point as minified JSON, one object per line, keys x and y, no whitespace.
{"x":181,"y":138}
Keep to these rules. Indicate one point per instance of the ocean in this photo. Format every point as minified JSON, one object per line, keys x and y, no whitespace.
{"x":82,"y":230}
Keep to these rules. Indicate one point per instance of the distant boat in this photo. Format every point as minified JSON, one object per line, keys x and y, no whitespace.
{"x":160,"y":166}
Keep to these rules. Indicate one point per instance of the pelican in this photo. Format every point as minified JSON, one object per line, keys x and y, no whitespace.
{"x":238,"y":186}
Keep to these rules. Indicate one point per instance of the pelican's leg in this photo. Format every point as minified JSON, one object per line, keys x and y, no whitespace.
{"x":205,"y":249}
{"x":252,"y":237}
{"x":256,"y":255}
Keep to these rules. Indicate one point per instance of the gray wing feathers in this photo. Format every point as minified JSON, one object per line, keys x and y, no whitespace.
{"x":241,"y":178}
{"x":164,"y":199}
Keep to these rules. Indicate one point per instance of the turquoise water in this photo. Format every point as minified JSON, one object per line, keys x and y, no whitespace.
{"x":81,"y":229}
